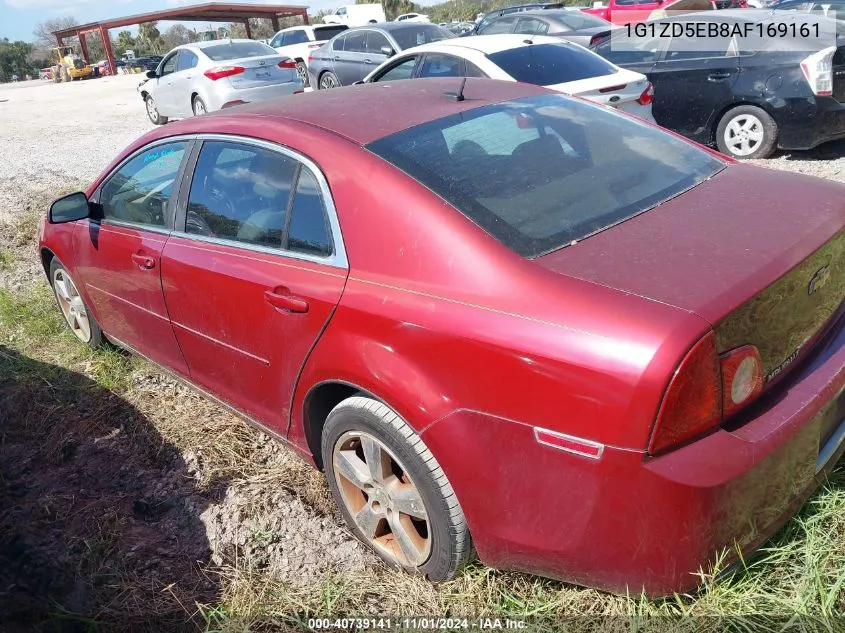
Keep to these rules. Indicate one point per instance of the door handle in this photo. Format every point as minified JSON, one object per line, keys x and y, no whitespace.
{"x":718,"y":76}
{"x":281,"y":299}
{"x":144,"y":262}
{"x":367,"y":61}
{"x":336,"y":58}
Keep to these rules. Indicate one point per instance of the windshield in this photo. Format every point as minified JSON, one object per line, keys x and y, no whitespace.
{"x":540,"y":172}
{"x":322,"y":33}
{"x":418,"y":34}
{"x":550,"y":64}
{"x":237,"y":50}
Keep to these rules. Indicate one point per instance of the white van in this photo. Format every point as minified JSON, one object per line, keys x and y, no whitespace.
{"x":356,"y":15}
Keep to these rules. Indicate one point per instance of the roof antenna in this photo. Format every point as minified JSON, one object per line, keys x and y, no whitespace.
{"x":459,"y":95}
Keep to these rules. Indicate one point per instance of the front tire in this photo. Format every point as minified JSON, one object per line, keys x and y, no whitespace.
{"x":78,"y":317}
{"x":328,"y":80}
{"x":152,"y":111}
{"x":747,"y":132}
{"x":392,"y":492}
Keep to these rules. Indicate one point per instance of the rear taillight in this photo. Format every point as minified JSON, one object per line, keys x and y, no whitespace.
{"x":692,"y":404}
{"x":647,"y":96}
{"x":818,"y":71}
{"x":742,"y":378}
{"x":315,"y":45}
{"x":595,"y":39}
{"x":705,"y":389}
{"x":223,"y":71}
{"x":287,"y":63}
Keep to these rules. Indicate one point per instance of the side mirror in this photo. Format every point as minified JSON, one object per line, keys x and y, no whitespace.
{"x":151,"y":74}
{"x":70,"y":208}
{"x":386,"y":50}
{"x":360,"y":82}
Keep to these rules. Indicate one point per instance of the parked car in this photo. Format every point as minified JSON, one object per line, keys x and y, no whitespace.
{"x":205,"y":76}
{"x":834,"y":9}
{"x":622,"y":12}
{"x":412,"y":17}
{"x":297,"y":42}
{"x":570,"y":24}
{"x":484,"y":18}
{"x":352,"y":55}
{"x":356,"y":15}
{"x":544,"y":61}
{"x":494,"y":316}
{"x":748,"y":96}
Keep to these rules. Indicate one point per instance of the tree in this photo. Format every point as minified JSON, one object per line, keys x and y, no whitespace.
{"x":124,"y":42}
{"x":43,"y":31}
{"x":177,"y":35}
{"x":149,"y":37}
{"x":262,"y":29}
{"x":14,"y":59}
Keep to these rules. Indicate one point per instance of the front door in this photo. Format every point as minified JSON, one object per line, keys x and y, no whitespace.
{"x":349,"y":64}
{"x":163,"y":92}
{"x":119,"y":255}
{"x":255,"y":274}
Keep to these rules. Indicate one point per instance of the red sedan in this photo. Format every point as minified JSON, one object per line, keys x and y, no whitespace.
{"x":600,"y":350}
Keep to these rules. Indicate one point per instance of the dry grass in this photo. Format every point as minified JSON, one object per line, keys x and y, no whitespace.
{"x":797,"y":582}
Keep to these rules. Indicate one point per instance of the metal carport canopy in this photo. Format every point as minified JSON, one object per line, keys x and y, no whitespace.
{"x":207,"y":12}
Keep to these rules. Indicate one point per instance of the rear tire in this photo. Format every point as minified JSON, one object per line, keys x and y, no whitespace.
{"x":302,"y":71}
{"x":198,"y":106}
{"x":152,"y":111}
{"x":400,"y":503}
{"x":328,"y":80}
{"x":747,"y":132}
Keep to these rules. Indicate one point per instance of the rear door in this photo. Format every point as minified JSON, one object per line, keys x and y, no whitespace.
{"x":692,"y":82}
{"x":119,"y":255}
{"x":349,"y":62}
{"x":254,"y":273}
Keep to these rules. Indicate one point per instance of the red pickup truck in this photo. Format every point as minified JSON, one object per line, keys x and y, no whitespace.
{"x":632,"y":11}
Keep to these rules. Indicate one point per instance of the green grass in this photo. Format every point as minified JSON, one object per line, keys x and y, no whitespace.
{"x":7,"y":258}
{"x":795,"y":583}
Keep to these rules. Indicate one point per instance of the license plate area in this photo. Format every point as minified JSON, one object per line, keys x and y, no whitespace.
{"x":262,"y":74}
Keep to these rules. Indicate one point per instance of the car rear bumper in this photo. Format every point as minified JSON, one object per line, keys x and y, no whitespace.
{"x":626,"y":522}
{"x":223,"y":96}
{"x":811,"y":122}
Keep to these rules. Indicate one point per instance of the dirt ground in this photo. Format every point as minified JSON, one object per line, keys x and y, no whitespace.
{"x":125,"y":498}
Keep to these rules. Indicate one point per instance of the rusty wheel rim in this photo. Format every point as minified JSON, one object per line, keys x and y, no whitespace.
{"x":381,"y":498}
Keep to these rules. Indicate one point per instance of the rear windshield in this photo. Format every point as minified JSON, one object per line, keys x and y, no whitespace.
{"x":328,"y":32}
{"x":540,"y":172}
{"x":236,"y":50}
{"x":418,"y":34}
{"x":550,"y":64}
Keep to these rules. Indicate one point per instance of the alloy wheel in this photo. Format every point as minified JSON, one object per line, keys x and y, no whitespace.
{"x":327,"y":82}
{"x":199,"y":108}
{"x":744,"y":134}
{"x":152,"y":110}
{"x":385,"y":504}
{"x":71,"y":305}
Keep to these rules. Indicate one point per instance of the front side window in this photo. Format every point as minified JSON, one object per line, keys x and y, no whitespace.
{"x":438,"y":65}
{"x":341,"y":11}
{"x":402,"y":70}
{"x":551,"y":64}
{"x":375,"y":42}
{"x":240,"y":192}
{"x":169,"y":65}
{"x":278,"y":41}
{"x":141,"y":191}
{"x":541,"y":172}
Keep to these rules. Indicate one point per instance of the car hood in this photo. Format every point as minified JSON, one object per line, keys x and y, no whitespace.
{"x":713,"y":248}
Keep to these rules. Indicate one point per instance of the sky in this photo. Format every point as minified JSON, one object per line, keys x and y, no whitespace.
{"x":19,"y":17}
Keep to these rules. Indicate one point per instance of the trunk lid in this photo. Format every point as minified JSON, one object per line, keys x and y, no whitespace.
{"x":259,"y":71}
{"x":757,"y":253}
{"x":624,"y":86}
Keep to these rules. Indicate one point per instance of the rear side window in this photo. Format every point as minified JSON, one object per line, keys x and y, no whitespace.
{"x":236,"y":50}
{"x":187,"y":60}
{"x":240,"y":193}
{"x":576,"y":20}
{"x":540,"y":172}
{"x":503,"y":25}
{"x":550,"y":64}
{"x":419,"y":34}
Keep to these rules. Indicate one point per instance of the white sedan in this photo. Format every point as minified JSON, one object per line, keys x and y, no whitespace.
{"x":540,"y":60}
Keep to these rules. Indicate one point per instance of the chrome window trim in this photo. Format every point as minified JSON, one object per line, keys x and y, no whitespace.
{"x":95,"y":197}
{"x":337,"y":259}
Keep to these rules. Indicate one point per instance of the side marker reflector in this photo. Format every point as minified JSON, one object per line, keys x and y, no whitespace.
{"x":568,"y":443}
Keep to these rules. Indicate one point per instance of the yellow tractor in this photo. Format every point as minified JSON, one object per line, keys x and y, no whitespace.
{"x":67,"y":65}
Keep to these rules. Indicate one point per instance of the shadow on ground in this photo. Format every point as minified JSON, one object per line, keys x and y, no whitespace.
{"x":99,"y":516}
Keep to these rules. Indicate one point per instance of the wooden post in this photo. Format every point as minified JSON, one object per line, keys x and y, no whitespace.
{"x":248,"y":29}
{"x":104,"y":35}
{"x":83,"y":45}
{"x":275,"y":21}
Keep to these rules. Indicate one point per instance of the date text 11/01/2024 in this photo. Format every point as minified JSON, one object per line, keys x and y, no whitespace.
{"x":416,"y":624}
{"x":723,"y":29}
